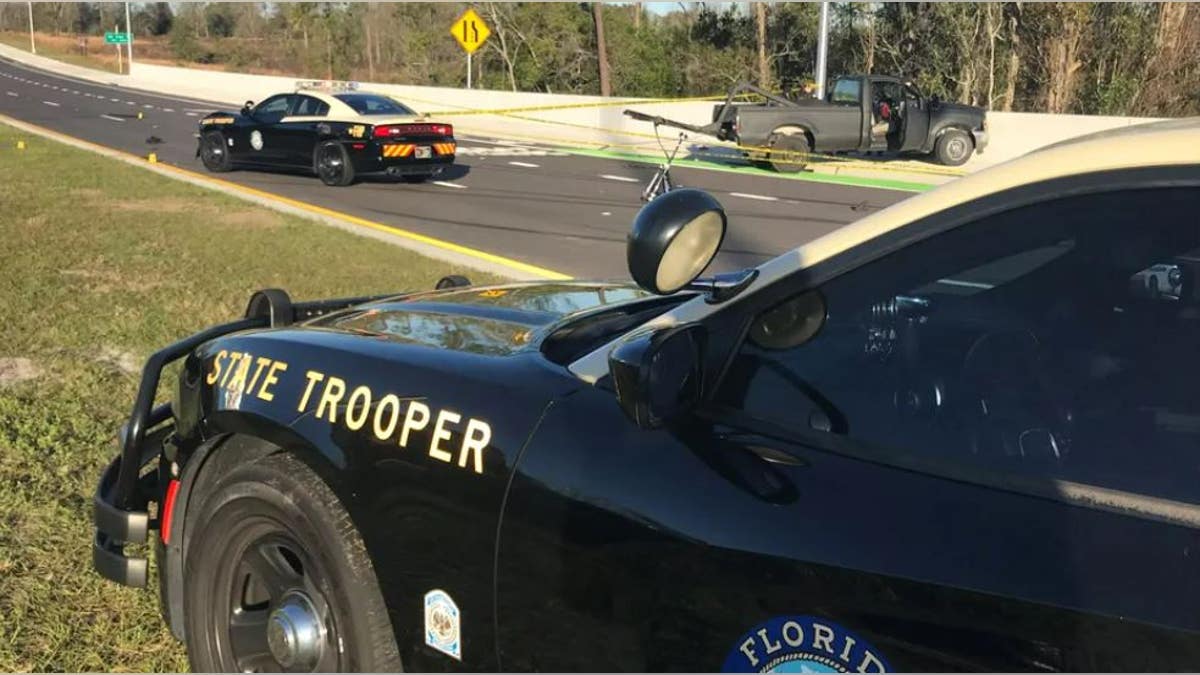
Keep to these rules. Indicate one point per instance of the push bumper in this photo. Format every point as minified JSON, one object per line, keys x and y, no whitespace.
{"x":981,"y":139}
{"x":121,"y":503}
{"x":117,"y":525}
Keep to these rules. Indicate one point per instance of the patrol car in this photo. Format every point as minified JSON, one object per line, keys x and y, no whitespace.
{"x":331,"y":129}
{"x":932,"y":440}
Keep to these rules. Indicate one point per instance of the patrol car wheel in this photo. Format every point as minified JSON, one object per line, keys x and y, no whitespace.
{"x":333,"y":165}
{"x":953,"y":147}
{"x":214,"y":152}
{"x":790,"y":153}
{"x":276,"y":578}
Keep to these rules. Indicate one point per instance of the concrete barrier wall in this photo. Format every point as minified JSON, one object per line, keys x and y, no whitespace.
{"x":600,"y":124}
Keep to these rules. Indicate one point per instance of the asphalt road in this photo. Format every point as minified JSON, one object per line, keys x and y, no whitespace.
{"x":532,"y":203}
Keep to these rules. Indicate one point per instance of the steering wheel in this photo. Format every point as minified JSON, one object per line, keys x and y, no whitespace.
{"x":1007,"y":409}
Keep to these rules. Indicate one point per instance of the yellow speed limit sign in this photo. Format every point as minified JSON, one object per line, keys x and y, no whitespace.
{"x":470,"y":31}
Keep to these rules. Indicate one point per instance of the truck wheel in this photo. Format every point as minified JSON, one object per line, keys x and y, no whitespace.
{"x":953,"y":147}
{"x":214,"y":152}
{"x":276,"y":578}
{"x":332,"y":164}
{"x":790,"y":153}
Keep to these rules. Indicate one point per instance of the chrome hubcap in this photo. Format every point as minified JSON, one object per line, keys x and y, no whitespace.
{"x":295,"y":633}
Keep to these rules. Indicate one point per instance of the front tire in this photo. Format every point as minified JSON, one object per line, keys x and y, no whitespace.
{"x":214,"y":152}
{"x":332,"y":164}
{"x":276,"y":578}
{"x":953,"y":147}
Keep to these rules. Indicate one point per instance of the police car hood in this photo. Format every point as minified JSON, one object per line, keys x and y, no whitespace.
{"x":494,"y":320}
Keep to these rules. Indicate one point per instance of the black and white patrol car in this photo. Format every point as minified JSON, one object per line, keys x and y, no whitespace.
{"x":950,"y":436}
{"x":332,"y":129}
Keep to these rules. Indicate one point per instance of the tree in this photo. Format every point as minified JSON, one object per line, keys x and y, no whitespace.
{"x":601,"y":49}
{"x":764,"y":66}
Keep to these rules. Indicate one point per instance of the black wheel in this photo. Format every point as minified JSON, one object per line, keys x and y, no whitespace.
{"x":276,"y":578}
{"x":214,"y":152}
{"x":332,"y":164}
{"x":789,"y":153}
{"x":953,"y":147}
{"x":416,"y":177}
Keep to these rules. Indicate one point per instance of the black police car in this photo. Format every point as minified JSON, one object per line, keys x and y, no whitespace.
{"x":949,"y":436}
{"x":332,"y":129}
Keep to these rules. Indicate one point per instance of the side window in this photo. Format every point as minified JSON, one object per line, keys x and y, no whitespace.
{"x":1060,"y":340}
{"x":846,"y":91}
{"x":307,"y":106}
{"x":273,"y":109}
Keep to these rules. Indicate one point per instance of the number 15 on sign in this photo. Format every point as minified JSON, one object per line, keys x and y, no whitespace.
{"x":471,"y":32}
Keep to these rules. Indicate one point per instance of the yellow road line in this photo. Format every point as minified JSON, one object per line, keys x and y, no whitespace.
{"x":304,"y":206}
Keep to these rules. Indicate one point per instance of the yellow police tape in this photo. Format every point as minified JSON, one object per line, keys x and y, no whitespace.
{"x":757,"y":153}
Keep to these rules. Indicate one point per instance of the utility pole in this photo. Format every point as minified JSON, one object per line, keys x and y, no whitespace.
{"x":32,"y":45}
{"x":822,"y":49}
{"x":129,"y":29}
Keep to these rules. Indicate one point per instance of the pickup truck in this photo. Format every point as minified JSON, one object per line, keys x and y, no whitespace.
{"x":860,"y":113}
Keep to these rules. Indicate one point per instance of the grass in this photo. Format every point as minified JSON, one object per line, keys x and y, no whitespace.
{"x":100,"y":264}
{"x":65,"y":48}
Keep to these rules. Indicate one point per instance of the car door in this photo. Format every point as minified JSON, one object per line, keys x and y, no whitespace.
{"x":971,"y":465}
{"x":847,"y":130}
{"x":298,"y":131}
{"x":267,"y":141}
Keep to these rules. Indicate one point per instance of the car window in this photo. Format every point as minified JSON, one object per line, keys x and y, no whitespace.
{"x":275,"y":107}
{"x":846,"y":91}
{"x":1060,"y":340}
{"x":371,"y":104}
{"x":307,"y":106}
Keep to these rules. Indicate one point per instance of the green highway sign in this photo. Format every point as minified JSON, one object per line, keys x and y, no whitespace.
{"x":116,"y":38}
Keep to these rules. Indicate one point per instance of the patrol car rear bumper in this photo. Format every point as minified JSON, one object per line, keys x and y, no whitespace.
{"x":404,"y":166}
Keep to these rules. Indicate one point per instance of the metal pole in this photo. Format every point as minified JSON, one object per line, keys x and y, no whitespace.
{"x":822,"y":49}
{"x":468,"y":70}
{"x":120,"y":68}
{"x":129,"y":29}
{"x":32,"y":45}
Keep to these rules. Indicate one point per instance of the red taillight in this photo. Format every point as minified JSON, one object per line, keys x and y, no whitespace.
{"x":394,"y":130}
{"x":168,"y":507}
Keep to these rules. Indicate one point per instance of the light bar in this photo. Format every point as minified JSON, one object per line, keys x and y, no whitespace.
{"x":325,"y":85}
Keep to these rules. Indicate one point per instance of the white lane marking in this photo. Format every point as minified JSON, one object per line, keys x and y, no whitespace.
{"x":528,"y":165}
{"x":75,"y":91}
{"x":203,"y":110}
{"x":12,"y":93}
{"x":110,"y":117}
{"x":147,"y":106}
{"x":51,"y":103}
{"x":190,"y":114}
{"x":130,"y":103}
{"x":606,"y":213}
{"x":115,"y":100}
{"x":168,"y":110}
{"x":761,"y":198}
{"x":623,"y":179}
{"x":966,"y":284}
{"x":449,"y":185}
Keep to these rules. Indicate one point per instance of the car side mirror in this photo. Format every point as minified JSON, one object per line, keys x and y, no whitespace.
{"x":248,"y":109}
{"x":674,"y":238}
{"x":658,"y":374}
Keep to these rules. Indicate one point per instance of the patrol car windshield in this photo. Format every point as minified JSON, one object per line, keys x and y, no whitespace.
{"x":370,"y":104}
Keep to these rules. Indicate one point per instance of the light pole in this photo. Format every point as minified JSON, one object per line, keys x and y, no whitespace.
{"x":822,"y":49}
{"x":129,"y":30}
{"x":32,"y":45}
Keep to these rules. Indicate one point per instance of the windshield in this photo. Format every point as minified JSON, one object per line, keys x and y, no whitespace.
{"x":372,"y":104}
